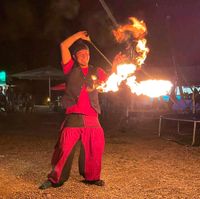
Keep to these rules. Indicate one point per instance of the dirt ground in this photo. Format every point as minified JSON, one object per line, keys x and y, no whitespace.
{"x":136,"y":164}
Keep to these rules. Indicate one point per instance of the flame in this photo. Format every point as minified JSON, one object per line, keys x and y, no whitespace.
{"x":125,"y":72}
{"x":142,"y":50}
{"x":94,"y":77}
{"x":151,"y":88}
{"x":137,"y":30}
{"x":112,"y":84}
{"x":115,"y":79}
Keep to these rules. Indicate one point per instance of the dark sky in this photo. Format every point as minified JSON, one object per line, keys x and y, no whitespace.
{"x":31,"y":30}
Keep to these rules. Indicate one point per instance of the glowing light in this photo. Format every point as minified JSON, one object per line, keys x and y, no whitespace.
{"x":93,"y":77}
{"x":3,"y":77}
{"x":151,"y":88}
{"x":142,"y":50}
{"x":112,"y":84}
{"x":115,"y":79}
{"x":124,"y":71}
{"x":137,"y":30}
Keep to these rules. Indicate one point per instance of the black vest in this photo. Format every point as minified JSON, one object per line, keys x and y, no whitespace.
{"x":74,"y":82}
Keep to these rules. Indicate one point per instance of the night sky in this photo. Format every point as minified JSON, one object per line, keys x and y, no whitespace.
{"x":31,"y":30}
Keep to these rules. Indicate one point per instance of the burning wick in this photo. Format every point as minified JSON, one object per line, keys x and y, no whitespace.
{"x":93,"y":77}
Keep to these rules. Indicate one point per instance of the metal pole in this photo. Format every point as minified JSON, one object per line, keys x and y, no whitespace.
{"x":159,"y":128}
{"x":110,"y":15}
{"x":193,"y":103}
{"x":194,"y":133}
{"x":178,"y":127}
{"x":109,"y":62}
{"x":127,"y":115}
{"x":50,"y":88}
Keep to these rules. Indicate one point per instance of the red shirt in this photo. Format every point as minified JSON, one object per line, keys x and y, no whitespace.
{"x":83,"y":105}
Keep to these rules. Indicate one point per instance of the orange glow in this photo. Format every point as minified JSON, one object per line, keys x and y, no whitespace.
{"x":124,"y":67}
{"x":137,"y":30}
{"x":115,"y":79}
{"x":124,"y":70}
{"x":112,"y":84}
{"x":151,"y":88}
{"x":93,"y":77}
{"x":142,"y":50}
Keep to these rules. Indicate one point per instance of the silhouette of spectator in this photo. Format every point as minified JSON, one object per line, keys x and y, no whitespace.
{"x":196,"y":96}
{"x":29,"y":103}
{"x":3,"y":101}
{"x":11,"y":99}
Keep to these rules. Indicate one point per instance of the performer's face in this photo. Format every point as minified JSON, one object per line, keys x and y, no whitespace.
{"x":83,"y":57}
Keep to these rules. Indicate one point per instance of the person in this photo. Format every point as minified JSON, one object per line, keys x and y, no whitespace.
{"x":29,"y":105}
{"x":81,"y":122}
{"x":3,"y":101}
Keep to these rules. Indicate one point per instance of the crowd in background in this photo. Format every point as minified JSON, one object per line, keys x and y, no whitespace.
{"x":12,"y":101}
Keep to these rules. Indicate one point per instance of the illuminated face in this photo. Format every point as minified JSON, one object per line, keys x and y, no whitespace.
{"x":83,"y":57}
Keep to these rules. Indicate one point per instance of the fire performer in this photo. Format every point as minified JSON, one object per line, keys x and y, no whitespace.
{"x":81,"y":122}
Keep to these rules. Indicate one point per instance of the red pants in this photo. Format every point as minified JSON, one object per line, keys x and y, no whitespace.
{"x":92,"y":139}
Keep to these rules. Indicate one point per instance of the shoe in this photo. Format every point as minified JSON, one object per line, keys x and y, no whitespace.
{"x":47,"y":184}
{"x":94,"y":182}
{"x":58,"y":184}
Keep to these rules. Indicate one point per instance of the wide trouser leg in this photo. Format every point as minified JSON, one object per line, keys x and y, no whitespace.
{"x":93,"y":143}
{"x":63,"y":154}
{"x":81,"y":161}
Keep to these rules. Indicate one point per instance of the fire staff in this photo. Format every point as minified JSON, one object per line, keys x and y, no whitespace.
{"x":81,"y":122}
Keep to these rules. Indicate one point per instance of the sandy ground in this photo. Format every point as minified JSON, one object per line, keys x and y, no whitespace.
{"x":136,"y":163}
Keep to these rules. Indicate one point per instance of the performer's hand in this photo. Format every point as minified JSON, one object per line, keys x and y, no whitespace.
{"x":99,"y":89}
{"x":94,"y":86}
{"x":90,"y":89}
{"x":83,"y":35}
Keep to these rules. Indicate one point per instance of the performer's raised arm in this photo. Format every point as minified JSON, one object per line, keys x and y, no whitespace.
{"x":67,"y":43}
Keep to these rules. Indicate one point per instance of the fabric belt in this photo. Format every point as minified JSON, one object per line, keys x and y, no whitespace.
{"x":79,"y":120}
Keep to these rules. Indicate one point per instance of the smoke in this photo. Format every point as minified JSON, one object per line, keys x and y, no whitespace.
{"x":58,"y":13}
{"x":26,"y":19}
{"x":69,"y":9}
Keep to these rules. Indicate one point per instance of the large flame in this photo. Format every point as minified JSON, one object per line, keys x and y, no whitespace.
{"x":151,"y":88}
{"x":123,"y":71}
{"x":142,"y":51}
{"x":133,"y":34}
{"x":137,"y":29}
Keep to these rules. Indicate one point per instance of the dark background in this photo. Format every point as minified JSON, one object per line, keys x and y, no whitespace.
{"x":31,"y":30}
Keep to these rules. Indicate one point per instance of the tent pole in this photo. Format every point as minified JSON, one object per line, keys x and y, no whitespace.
{"x":193,"y":104}
{"x":50,"y":88}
